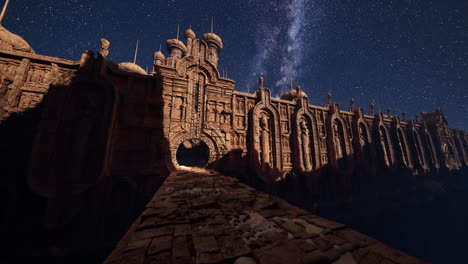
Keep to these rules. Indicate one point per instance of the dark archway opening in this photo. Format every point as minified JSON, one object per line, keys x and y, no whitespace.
{"x":193,"y":153}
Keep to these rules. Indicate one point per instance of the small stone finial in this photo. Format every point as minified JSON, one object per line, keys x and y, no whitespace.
{"x":389,"y":112}
{"x":372,"y":109}
{"x":329,"y":96}
{"x":104,"y":48}
{"x":403,"y":115}
{"x":260,"y":82}
{"x":416,"y":117}
{"x":351,"y":104}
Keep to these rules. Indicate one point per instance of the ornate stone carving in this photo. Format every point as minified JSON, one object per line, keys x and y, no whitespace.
{"x":305,"y":142}
{"x":265,"y":139}
{"x":105,"y":44}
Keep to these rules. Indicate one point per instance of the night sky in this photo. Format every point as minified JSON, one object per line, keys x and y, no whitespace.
{"x":409,"y":55}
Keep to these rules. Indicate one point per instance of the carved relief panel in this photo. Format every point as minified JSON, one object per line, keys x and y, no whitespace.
{"x":30,"y":100}
{"x":8,"y":68}
{"x":447,"y":147}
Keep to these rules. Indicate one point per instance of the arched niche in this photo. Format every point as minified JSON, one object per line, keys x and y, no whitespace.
{"x":383,"y":143}
{"x":402,"y":152}
{"x":403,"y":148}
{"x":73,"y":138}
{"x":306,"y":142}
{"x":265,"y":144}
{"x":338,"y":140}
{"x":431,"y":147}
{"x":419,"y":155}
{"x":362,"y":139}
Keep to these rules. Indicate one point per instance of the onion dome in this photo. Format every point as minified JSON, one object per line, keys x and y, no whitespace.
{"x":189,"y":34}
{"x":175,"y":43}
{"x":11,"y":41}
{"x":212,"y":38}
{"x":293,"y":94}
{"x":131,"y":67}
{"x":158,"y":55}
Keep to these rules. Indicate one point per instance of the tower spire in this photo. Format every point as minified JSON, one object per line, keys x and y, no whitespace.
{"x":136,"y":52}
{"x":5,"y":6}
{"x":160,"y":46}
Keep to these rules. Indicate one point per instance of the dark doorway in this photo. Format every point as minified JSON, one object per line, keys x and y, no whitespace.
{"x":193,"y":153}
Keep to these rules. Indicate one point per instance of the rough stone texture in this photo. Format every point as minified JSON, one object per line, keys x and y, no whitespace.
{"x":201,"y":216}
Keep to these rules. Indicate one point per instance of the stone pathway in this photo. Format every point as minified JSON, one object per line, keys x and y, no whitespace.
{"x":200,"y":216}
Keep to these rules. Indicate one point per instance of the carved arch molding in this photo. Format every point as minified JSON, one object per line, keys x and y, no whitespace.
{"x":180,"y":137}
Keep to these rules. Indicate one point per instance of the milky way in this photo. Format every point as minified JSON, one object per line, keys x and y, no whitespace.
{"x":407,"y":55}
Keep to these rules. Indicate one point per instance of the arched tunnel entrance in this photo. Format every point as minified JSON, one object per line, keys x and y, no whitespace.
{"x":193,"y":153}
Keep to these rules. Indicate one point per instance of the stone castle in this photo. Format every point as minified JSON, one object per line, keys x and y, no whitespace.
{"x":101,"y":125}
{"x":114,"y":111}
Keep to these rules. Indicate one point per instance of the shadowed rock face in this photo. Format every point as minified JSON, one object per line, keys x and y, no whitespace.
{"x":200,"y":216}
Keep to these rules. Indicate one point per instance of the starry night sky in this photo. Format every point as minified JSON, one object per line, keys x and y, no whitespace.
{"x":409,"y":55}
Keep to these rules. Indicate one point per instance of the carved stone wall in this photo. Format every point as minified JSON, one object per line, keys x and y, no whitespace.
{"x":280,"y":136}
{"x":29,"y":76}
{"x":187,"y":99}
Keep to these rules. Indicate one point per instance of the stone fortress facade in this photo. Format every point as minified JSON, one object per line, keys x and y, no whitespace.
{"x":119,"y":113}
{"x":88,"y":142}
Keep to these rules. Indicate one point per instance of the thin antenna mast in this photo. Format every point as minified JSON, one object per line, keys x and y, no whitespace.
{"x":178,"y":31}
{"x":136,"y":52}
{"x":290,"y":80}
{"x":5,"y":6}
{"x":211,"y":24}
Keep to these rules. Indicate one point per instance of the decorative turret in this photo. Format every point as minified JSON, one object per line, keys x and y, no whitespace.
{"x":293,"y":94}
{"x":159,"y":57}
{"x":176,"y":49}
{"x":215,"y":44}
{"x":132,"y":66}
{"x":189,"y":36}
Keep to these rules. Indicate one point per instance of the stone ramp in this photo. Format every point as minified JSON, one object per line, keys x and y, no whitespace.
{"x":200,"y":216}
